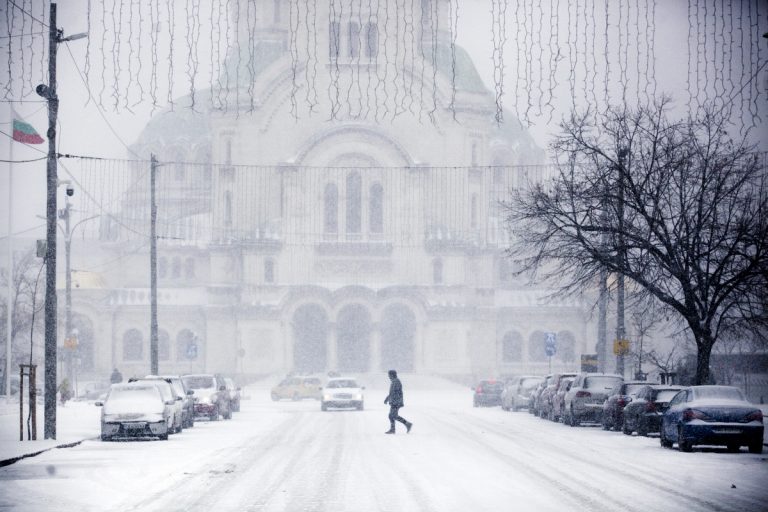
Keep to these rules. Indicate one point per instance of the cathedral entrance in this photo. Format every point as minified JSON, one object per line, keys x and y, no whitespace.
{"x":310,"y":335}
{"x":353,"y":336}
{"x":398,"y":331}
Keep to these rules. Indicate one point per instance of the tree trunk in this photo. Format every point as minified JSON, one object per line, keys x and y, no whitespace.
{"x":702,"y":360}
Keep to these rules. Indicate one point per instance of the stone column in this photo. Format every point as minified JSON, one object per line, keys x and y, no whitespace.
{"x":331,"y":354}
{"x":375,"y":349}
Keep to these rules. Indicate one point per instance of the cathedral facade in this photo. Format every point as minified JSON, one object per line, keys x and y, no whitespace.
{"x":358,"y":232}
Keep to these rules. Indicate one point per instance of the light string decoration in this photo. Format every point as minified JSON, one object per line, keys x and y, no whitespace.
{"x":380,"y":59}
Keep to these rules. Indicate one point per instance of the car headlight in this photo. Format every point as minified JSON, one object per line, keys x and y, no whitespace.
{"x":326,"y":397}
{"x":359,"y":396}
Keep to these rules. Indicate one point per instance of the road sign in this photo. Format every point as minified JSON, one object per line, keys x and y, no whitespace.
{"x":621,"y":347}
{"x":192,"y":350}
{"x":70,"y":343}
{"x":550,"y":344}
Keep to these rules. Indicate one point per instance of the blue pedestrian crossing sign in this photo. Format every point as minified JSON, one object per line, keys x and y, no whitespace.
{"x":192,"y":350}
{"x":550,"y":344}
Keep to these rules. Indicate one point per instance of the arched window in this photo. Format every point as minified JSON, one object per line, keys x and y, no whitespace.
{"x":269,"y":270}
{"x":473,"y":212}
{"x":566,"y":347}
{"x":371,"y":40}
{"x":176,"y":267}
{"x":331,"y":209}
{"x":163,"y":345}
{"x":376,"y":209}
{"x":189,"y":268}
{"x":354,"y":40}
{"x":536,"y":350}
{"x":133,"y":345}
{"x":512,"y":347}
{"x":187,"y":346}
{"x":437,"y":271}
{"x":227,"y":208}
{"x":354,"y":203}
{"x":334,"y":37}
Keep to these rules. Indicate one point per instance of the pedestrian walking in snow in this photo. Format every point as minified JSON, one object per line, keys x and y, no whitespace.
{"x":395,"y":401}
{"x":116,"y":377}
{"x":65,"y":393}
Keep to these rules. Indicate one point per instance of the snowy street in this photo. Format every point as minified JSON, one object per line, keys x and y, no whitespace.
{"x":290,"y":456}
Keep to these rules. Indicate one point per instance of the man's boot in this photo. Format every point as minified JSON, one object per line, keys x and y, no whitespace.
{"x":408,"y":426}
{"x":390,"y":431}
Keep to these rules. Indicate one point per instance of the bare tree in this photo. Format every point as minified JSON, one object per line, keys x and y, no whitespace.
{"x":677,"y":207}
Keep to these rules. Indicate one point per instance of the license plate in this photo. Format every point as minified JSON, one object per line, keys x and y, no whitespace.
{"x":134,"y":426}
{"x":727,"y":431}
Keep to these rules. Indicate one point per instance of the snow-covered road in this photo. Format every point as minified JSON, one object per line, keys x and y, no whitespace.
{"x":290,"y":456}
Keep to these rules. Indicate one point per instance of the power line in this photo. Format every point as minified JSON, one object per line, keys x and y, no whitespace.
{"x":28,"y":14}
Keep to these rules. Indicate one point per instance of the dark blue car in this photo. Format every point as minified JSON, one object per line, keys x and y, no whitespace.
{"x":712,"y":415}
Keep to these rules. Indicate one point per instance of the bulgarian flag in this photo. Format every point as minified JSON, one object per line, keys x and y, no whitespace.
{"x":23,"y":131}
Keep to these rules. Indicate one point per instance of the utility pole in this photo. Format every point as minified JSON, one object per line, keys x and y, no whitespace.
{"x":153,"y":270}
{"x":52,"y":182}
{"x":49,"y":92}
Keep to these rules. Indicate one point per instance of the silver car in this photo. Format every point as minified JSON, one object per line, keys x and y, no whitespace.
{"x":517,"y":392}
{"x":135,"y":410}
{"x":342,"y":392}
{"x":584,"y":401}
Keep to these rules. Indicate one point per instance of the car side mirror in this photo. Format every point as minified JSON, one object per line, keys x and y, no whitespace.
{"x":178,"y":399}
{"x":190,"y":392}
{"x":98,"y":404}
{"x":170,"y":402}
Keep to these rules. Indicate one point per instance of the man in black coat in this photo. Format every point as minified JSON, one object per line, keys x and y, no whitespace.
{"x":395,"y":401}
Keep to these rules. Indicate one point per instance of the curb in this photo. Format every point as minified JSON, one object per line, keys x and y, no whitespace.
{"x":12,"y":460}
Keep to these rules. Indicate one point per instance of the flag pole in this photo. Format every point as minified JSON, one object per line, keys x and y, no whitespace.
{"x":9,"y":308}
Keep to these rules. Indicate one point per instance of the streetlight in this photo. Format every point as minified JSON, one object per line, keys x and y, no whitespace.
{"x":55,"y":36}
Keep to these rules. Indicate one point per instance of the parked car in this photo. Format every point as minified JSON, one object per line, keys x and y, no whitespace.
{"x":188,"y":401}
{"x":169,"y":395}
{"x":210,"y":402}
{"x":342,"y":392}
{"x":234,"y":394}
{"x":297,"y":388}
{"x":135,"y":409}
{"x":643,"y":414}
{"x":536,"y":395}
{"x":712,"y":415}
{"x":558,"y":400}
{"x":584,"y":401}
{"x":618,"y":398}
{"x":487,"y":393}
{"x":517,"y":392}
{"x":545,"y":399}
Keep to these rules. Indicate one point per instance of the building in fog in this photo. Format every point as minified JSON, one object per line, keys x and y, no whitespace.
{"x":355,"y":237}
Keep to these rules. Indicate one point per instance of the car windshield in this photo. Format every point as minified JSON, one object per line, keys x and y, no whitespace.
{"x":602,"y":382}
{"x":133,"y":393}
{"x":631,"y":389}
{"x":665,"y":395}
{"x":718,"y":393}
{"x":345,"y":383}
{"x":198,"y":381}
{"x":529,"y":383}
{"x":491,"y":387}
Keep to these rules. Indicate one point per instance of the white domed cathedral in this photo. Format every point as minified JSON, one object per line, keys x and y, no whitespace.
{"x":332,"y":203}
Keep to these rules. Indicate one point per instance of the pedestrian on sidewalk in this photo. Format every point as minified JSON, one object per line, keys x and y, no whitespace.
{"x":65,"y":393}
{"x":395,"y":401}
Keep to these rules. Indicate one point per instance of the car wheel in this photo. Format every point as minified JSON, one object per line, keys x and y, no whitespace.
{"x":504,"y":407}
{"x":665,"y":443}
{"x":756,"y":446}
{"x":105,"y":438}
{"x":214,"y":415}
{"x":573,"y":421}
{"x":642,"y":429}
{"x":164,"y":437}
{"x":605,"y":424}
{"x":323,"y":407}
{"x":274,"y":396}
{"x":236,"y":407}
{"x":682,"y":444}
{"x":733,"y":447}
{"x":360,"y":407}
{"x":625,"y":428}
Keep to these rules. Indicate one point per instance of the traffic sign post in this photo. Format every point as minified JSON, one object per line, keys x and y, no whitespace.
{"x":550,"y":347}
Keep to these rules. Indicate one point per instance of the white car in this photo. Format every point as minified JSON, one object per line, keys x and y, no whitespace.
{"x":170,"y":396}
{"x":342,"y":392}
{"x":135,"y":410}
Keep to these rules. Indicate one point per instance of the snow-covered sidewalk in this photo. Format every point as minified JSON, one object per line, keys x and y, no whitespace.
{"x":76,"y":421}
